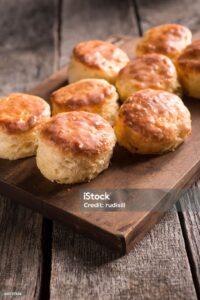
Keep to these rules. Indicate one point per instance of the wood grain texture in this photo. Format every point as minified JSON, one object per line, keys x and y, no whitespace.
{"x":20,"y":249}
{"x":26,"y":52}
{"x":85,"y":20}
{"x":26,"y":43}
{"x":27,"y":25}
{"x":153,"y":13}
{"x":156,"y":269}
{"x":190,"y":219}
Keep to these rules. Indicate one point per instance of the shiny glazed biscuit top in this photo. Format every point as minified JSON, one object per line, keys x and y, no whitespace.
{"x":21,"y":112}
{"x":100,"y":55}
{"x":86,"y":92}
{"x":167,"y":39}
{"x":155,"y":114}
{"x":79,"y":132}
{"x":190,"y":57}
{"x":151,"y":70}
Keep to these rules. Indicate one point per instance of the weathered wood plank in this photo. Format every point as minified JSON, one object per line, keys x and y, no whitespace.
{"x":26,"y":43}
{"x":85,"y":20}
{"x":190,"y":219}
{"x":153,"y":13}
{"x":158,"y":267}
{"x":20,"y":250}
{"x":27,"y":24}
{"x":26,"y":51}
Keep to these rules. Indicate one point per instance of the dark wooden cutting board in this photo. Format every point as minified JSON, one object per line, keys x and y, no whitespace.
{"x":21,"y":181}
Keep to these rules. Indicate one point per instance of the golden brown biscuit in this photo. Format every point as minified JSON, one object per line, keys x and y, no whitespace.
{"x":188,"y":66}
{"x":20,"y":118}
{"x":155,"y":71}
{"x":92,"y":95}
{"x":152,"y":121}
{"x":96,"y":59}
{"x":167,"y":39}
{"x":74,"y":147}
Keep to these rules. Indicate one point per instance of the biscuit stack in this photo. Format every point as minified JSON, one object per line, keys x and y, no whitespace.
{"x":77,"y":142}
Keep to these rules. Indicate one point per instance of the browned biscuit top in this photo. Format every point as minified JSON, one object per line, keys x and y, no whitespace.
{"x":150,"y":70}
{"x":86,"y":92}
{"x":79,"y":132}
{"x":156,"y":115}
{"x":166,"y":39}
{"x":100,"y":55}
{"x":190,"y":57}
{"x":21,"y":112}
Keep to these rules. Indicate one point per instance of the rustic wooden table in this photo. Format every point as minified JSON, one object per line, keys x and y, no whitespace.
{"x":43,"y":259}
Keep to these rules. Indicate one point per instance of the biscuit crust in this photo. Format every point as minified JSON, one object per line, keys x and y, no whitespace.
{"x":83,"y":93}
{"x":92,"y":95}
{"x":21,"y":112}
{"x":100,"y":55}
{"x":152,"y":121}
{"x":188,"y":66}
{"x":155,"y":71}
{"x":189,"y":59}
{"x":167,"y":39}
{"x":78,"y":132}
{"x":96,"y":59}
{"x":21,"y":116}
{"x":75,"y":147}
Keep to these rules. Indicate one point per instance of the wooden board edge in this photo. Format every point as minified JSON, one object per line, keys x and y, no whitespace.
{"x":152,"y":218}
{"x":120,"y":241}
{"x":51,"y":83}
{"x":115,"y":241}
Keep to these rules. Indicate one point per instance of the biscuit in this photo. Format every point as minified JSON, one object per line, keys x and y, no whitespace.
{"x":155,"y":71}
{"x":152,"y":122}
{"x":167,"y":39}
{"x":188,"y":66}
{"x":74,"y":147}
{"x":96,"y":59}
{"x":20,"y":118}
{"x":92,"y":95}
